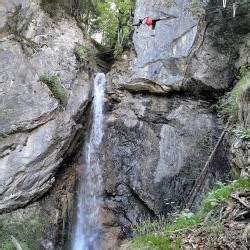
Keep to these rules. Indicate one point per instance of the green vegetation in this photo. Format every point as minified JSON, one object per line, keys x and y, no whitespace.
{"x":213,"y":227}
{"x":80,"y":51}
{"x":55,"y":87}
{"x":58,"y":9}
{"x":25,"y":226}
{"x":109,"y":18}
{"x":113,"y":19}
{"x":53,"y":8}
{"x":159,"y":234}
{"x":154,"y":241}
{"x":229,"y":105}
{"x":243,"y":133}
{"x":147,"y":226}
{"x":221,"y":193}
{"x":204,"y":141}
{"x":8,"y":245}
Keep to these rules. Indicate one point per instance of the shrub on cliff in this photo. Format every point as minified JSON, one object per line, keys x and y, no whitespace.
{"x":109,"y":18}
{"x":55,"y":87}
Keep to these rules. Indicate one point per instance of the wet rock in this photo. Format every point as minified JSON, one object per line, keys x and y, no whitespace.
{"x":155,"y":147}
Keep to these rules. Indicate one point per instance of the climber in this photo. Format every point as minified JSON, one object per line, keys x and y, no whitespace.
{"x":151,"y":22}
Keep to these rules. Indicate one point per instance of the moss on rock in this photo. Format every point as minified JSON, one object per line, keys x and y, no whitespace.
{"x":55,"y":87}
{"x":25,"y":225}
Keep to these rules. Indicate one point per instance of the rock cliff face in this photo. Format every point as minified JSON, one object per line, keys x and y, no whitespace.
{"x":194,"y":50}
{"x":240,"y":145}
{"x":161,"y":124}
{"x":35,"y":131}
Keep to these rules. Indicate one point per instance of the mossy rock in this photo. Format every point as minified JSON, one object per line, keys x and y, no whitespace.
{"x":57,"y":9}
{"x":229,"y":104}
{"x":26,"y":225}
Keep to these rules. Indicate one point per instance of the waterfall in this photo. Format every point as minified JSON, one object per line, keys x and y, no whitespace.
{"x":234,"y":9}
{"x":224,"y":2}
{"x":88,"y":226}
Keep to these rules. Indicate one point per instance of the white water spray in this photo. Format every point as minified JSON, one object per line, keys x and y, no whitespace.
{"x":224,"y":2}
{"x":234,"y":9}
{"x":88,"y":225}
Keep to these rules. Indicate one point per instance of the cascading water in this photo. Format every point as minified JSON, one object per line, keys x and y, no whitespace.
{"x":88,"y":226}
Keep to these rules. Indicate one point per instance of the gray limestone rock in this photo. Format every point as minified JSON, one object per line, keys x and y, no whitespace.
{"x":35,"y":131}
{"x":156,"y":142}
{"x":154,"y":148}
{"x":195,"y":49}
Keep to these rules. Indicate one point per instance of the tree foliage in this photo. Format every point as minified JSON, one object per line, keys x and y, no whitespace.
{"x":111,"y":18}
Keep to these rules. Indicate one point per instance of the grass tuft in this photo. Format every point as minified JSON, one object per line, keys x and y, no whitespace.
{"x":8,"y":245}
{"x":148,"y":226}
{"x":157,"y":234}
{"x":152,"y":241}
{"x":55,"y":87}
{"x":213,"y":228}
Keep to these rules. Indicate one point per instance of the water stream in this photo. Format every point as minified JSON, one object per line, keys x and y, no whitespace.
{"x":88,"y":226}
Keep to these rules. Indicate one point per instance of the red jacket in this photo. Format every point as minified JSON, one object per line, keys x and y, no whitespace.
{"x":148,"y":21}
